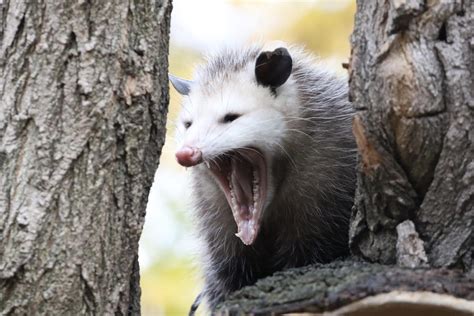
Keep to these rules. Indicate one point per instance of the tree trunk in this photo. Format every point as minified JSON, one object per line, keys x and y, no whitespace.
{"x":83,"y":103}
{"x":412,"y":83}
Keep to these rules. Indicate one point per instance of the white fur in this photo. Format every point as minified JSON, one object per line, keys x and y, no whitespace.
{"x":263,"y":116}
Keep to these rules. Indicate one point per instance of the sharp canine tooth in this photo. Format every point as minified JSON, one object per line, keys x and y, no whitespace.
{"x":208,"y":165}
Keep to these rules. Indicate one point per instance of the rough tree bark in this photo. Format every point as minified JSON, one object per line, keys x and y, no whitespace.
{"x":412,"y":84}
{"x":320,"y":288}
{"x":83,"y":102}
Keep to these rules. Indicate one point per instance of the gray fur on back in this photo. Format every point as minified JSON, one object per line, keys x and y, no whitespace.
{"x":307,"y":220}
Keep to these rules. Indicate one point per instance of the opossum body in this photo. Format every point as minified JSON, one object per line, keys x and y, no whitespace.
{"x":267,"y":133}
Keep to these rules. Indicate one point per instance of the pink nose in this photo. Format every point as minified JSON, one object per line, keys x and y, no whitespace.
{"x":188,"y":156}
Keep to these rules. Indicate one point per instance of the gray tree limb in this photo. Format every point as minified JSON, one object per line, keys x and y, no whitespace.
{"x":327,"y":287}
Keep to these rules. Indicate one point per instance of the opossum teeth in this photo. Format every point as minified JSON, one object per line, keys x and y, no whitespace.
{"x":255,"y":177}
{"x":207,"y":164}
{"x":255,"y":190}
{"x":234,"y":205}
{"x":242,"y":178}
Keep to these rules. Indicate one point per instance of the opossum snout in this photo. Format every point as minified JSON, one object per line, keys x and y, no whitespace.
{"x":188,"y":156}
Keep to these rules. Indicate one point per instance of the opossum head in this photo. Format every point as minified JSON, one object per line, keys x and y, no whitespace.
{"x":232,"y":124}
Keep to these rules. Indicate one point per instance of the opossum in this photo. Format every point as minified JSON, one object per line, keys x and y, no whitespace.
{"x":267,"y":132}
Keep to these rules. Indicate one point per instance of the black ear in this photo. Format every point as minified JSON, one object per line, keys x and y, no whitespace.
{"x":181,"y":85}
{"x":273,"y":68}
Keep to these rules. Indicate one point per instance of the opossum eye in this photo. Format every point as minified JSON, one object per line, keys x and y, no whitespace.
{"x":187,"y":124}
{"x":229,"y":117}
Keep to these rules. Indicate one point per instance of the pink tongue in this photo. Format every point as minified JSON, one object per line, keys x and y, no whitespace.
{"x":247,"y":231}
{"x":242,"y":178}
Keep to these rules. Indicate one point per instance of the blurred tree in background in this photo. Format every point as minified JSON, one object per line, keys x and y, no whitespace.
{"x":324,"y":31}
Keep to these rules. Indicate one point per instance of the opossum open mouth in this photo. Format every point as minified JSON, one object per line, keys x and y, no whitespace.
{"x":242,"y":176}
